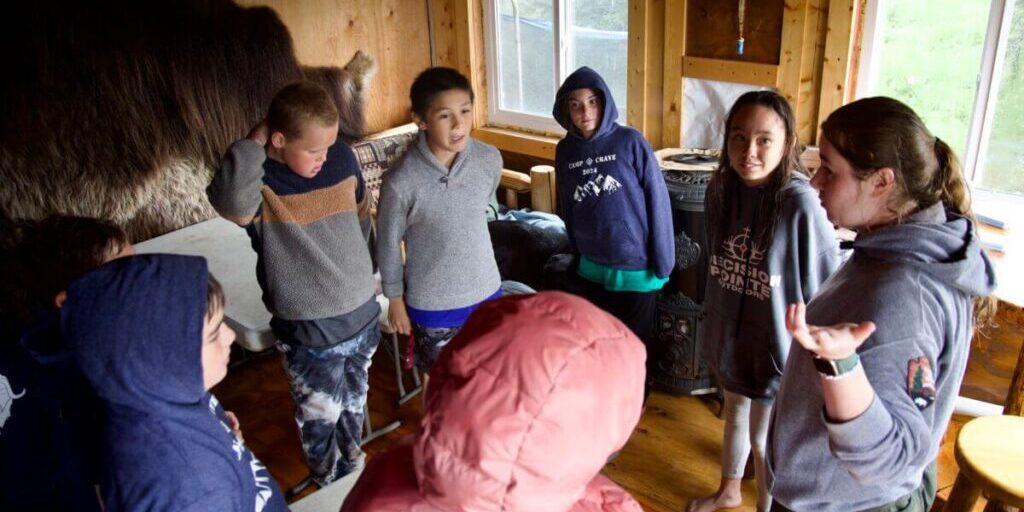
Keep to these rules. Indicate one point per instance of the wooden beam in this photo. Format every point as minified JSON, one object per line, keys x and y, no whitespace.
{"x":636,"y":62}
{"x":469,"y":29}
{"x":835,"y":73}
{"x":517,"y":142}
{"x":730,"y":71}
{"x":812,"y":52}
{"x":794,"y":20}
{"x":672,"y":79}
{"x":654,"y":35}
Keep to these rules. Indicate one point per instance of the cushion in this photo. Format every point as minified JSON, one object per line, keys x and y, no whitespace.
{"x":377,"y":155}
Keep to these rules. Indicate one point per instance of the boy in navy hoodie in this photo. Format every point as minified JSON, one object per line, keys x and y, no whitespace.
{"x":148,"y":332}
{"x":613,"y":199}
{"x":50,"y":418}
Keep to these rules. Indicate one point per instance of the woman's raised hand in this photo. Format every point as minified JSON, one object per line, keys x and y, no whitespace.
{"x":833,"y":342}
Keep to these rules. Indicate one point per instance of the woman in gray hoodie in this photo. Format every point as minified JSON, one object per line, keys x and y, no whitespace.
{"x":862,"y":407}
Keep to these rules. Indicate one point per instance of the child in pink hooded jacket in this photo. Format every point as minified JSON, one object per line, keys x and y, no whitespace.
{"x":522,"y":413}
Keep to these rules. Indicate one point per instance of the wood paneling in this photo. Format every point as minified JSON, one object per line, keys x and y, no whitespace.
{"x":394,"y":32}
{"x":712,"y":29}
{"x":446,"y":44}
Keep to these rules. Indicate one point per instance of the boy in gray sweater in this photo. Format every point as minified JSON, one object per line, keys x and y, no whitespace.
{"x":435,"y":200}
{"x":299,"y":194}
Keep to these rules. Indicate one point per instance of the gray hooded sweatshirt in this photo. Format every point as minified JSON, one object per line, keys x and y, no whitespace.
{"x":915,"y":280}
{"x":750,"y":285}
{"x":441,"y":215}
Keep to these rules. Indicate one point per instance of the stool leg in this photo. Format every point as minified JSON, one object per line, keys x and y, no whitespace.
{"x":995,"y":506}
{"x":963,"y":496}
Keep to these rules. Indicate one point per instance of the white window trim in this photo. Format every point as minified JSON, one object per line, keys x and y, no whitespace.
{"x":502,"y":117}
{"x":992,"y":59}
{"x":989,"y":77}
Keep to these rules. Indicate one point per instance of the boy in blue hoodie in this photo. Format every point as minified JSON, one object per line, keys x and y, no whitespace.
{"x":613,"y":199}
{"x":148,"y":332}
{"x":49,"y":416}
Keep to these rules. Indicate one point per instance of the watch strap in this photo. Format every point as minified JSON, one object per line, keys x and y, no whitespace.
{"x":835,"y":368}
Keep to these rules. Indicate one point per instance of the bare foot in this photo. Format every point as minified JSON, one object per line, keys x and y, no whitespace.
{"x":717,"y":501}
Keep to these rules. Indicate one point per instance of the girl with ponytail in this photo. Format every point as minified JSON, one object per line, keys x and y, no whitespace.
{"x":866,"y":403}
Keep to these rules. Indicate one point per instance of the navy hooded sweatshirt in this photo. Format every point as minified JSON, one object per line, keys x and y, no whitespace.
{"x":50,"y":421}
{"x":136,"y":328}
{"x":611,"y":193}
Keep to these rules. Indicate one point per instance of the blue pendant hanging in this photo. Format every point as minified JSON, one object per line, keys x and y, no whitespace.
{"x":739,"y":19}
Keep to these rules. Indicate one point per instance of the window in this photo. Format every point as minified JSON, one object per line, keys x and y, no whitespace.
{"x":959,"y":64}
{"x":532,"y":45}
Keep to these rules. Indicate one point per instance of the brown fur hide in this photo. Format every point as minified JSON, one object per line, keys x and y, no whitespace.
{"x":122,"y":109}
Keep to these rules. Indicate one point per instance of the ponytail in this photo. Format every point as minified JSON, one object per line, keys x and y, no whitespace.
{"x":949,"y":180}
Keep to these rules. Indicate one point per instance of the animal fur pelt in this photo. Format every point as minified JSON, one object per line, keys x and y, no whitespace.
{"x":121,"y":109}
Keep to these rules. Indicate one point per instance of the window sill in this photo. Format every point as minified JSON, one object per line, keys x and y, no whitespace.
{"x":1009,"y":261}
{"x":540,"y":146}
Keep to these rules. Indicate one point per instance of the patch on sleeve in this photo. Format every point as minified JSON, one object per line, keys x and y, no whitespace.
{"x":920,"y":382}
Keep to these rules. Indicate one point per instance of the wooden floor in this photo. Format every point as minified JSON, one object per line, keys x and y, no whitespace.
{"x":672,"y":457}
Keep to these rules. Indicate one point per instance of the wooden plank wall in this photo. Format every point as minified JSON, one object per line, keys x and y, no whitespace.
{"x":712,"y":27}
{"x":394,"y":32}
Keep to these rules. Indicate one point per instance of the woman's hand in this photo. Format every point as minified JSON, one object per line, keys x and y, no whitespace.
{"x":399,"y":317}
{"x":833,"y":342}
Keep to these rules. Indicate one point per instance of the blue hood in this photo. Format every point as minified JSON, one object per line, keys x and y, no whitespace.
{"x":585,"y":77}
{"x":136,"y":327}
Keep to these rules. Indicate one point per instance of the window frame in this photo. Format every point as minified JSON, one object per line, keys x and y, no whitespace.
{"x":562,"y":49}
{"x":989,"y":76}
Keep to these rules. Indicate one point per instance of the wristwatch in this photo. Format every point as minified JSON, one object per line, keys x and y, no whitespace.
{"x":835,"y":368}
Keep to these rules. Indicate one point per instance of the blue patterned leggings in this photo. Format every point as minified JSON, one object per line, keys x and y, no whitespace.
{"x":329,"y":386}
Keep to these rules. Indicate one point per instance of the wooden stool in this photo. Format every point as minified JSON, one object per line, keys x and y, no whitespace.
{"x":990,"y":453}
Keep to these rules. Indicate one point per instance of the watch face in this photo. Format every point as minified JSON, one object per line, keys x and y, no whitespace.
{"x":825,"y":367}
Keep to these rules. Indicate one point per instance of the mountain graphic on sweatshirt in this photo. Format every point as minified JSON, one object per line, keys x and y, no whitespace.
{"x":601,"y":184}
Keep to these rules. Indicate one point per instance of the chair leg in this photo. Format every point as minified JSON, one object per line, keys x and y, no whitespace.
{"x":403,"y":395}
{"x":369,"y":433}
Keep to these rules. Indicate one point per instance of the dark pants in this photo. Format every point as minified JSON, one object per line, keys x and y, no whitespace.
{"x":919,"y":500}
{"x":638,"y":310}
{"x":329,"y":386}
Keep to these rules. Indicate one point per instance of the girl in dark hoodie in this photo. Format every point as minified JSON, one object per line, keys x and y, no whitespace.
{"x":148,"y":332}
{"x":770,"y":244}
{"x":863,"y":407}
{"x":613,"y":199}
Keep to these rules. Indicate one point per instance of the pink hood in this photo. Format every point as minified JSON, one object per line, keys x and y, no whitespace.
{"x":523,"y":410}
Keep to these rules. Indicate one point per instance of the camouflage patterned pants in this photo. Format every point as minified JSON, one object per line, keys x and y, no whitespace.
{"x":429,"y":342}
{"x":329,"y":386}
